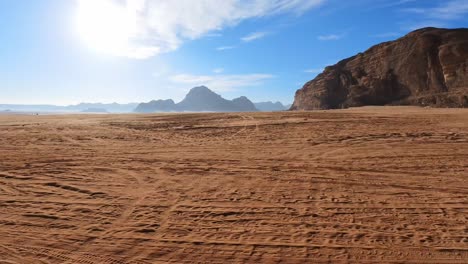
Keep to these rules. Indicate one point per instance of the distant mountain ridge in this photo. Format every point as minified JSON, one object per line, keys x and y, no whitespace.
{"x":156,"y":106}
{"x":82,"y":107}
{"x":95,"y":110}
{"x":112,"y":108}
{"x":270,"y":106}
{"x":199,"y":99}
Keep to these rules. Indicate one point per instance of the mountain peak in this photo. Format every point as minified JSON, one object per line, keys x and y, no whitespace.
{"x":241,"y":98}
{"x":201,"y":98}
{"x":200,"y":89}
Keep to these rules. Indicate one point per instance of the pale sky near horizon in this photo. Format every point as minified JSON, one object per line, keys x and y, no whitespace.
{"x":66,"y":52}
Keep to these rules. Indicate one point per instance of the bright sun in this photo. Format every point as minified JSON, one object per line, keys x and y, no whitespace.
{"x":104,"y":26}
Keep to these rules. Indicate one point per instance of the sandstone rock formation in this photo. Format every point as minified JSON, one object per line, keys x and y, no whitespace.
{"x":427,"y":67}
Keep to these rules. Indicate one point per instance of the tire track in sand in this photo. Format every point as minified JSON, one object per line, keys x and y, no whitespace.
{"x":142,"y":191}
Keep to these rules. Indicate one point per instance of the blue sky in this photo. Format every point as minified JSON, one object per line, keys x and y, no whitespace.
{"x":65,"y":52}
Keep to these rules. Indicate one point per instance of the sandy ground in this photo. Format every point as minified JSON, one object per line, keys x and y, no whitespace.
{"x":370,"y":185}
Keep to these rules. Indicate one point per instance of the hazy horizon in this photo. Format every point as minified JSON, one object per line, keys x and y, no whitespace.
{"x":69,"y":52}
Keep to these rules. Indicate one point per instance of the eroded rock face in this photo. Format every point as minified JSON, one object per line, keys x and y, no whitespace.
{"x":427,"y":67}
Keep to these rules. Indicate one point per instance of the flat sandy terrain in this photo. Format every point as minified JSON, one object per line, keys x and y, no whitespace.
{"x":370,"y":185}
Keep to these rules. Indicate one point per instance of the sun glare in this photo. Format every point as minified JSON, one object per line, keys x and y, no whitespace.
{"x":105,"y":26}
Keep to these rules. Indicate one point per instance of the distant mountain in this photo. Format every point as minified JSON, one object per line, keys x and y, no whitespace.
{"x":31,"y":108}
{"x":270,"y":106}
{"x":156,"y":106}
{"x":243,"y":104}
{"x":199,"y":99}
{"x":113,"y":108}
{"x":95,"y":110}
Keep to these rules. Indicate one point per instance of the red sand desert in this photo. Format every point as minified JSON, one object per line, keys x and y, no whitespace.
{"x":368,"y":185}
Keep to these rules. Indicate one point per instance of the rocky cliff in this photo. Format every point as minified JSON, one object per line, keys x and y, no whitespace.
{"x":427,"y":67}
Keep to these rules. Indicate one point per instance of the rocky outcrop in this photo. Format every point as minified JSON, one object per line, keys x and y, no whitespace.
{"x":199,"y":99}
{"x":427,"y":67}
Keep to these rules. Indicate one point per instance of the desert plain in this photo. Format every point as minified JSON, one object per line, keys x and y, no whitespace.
{"x":363,"y":185}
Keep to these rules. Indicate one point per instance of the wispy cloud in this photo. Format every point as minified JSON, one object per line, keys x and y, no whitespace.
{"x":386,"y":35}
{"x":330,"y":37}
{"x":163,"y":26}
{"x":225,"y":48}
{"x":222,"y":83}
{"x":254,"y":36}
{"x":437,"y":16}
{"x":425,"y":23}
{"x":414,"y":10}
{"x":449,"y":10}
{"x":214,"y":35}
{"x":218,"y":70}
{"x":392,"y":3}
{"x":317,"y":70}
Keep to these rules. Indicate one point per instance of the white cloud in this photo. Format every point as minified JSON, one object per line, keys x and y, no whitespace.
{"x":225,"y":48}
{"x":392,"y":3}
{"x":163,"y":25}
{"x":425,"y":23}
{"x":330,"y":37}
{"x":453,"y":9}
{"x":214,"y":35}
{"x":438,"y":16}
{"x":218,"y":70}
{"x":254,"y":36}
{"x":221,"y":83}
{"x":415,"y":10}
{"x":318,"y":70}
{"x":386,"y":35}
